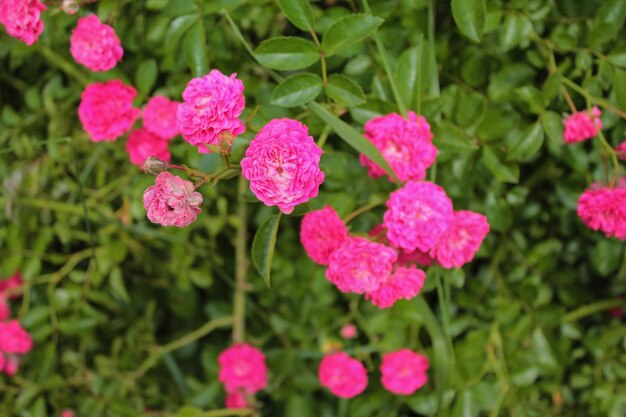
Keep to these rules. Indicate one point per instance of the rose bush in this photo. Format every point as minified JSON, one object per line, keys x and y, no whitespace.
{"x":399,"y":207}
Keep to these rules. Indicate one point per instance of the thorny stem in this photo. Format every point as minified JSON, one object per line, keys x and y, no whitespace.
{"x":241,"y":267}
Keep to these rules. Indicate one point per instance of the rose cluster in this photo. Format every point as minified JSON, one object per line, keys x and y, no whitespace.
{"x":14,"y":340}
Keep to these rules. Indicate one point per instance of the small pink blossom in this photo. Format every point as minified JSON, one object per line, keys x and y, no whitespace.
{"x":14,"y":339}
{"x":212,"y":106}
{"x":11,"y":286}
{"x":242,"y":367}
{"x":67,"y":413}
{"x":621,"y":151}
{"x":172,"y":201}
{"x":604,"y":209}
{"x":404,"y":371}
{"x":142,"y":144}
{"x":236,"y":399}
{"x":460,"y":242}
{"x":12,"y":365}
{"x":360,"y":265}
{"x":159,"y":117}
{"x":349,"y":331}
{"x":405,"y":283}
{"x":22,"y":19}
{"x":95,"y":44}
{"x":321,"y":233}
{"x":582,"y":125}
{"x":106,"y":110}
{"x":417,"y":215}
{"x":406,"y":144}
{"x":344,"y":376}
{"x":282,"y":165}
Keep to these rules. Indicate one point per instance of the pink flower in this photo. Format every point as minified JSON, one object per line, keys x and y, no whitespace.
{"x":404,"y":371}
{"x":14,"y":339}
{"x":67,"y":413}
{"x":360,"y":266}
{"x":242,"y":367}
{"x":321,"y":233}
{"x":11,"y":365}
{"x":5,"y":309}
{"x":106,"y":110}
{"x":417,"y":215}
{"x":621,"y":151}
{"x":416,"y":257}
{"x":95,"y":44}
{"x":282,"y":165}
{"x":405,"y":283}
{"x":142,"y":144}
{"x":344,"y":376}
{"x":212,"y":106}
{"x":406,"y":144}
{"x":12,"y":286}
{"x":236,"y":399}
{"x":460,"y":242}
{"x":172,"y":201}
{"x":349,"y":331}
{"x":604,"y":209}
{"x":159,"y":117}
{"x":22,"y":19}
{"x":582,"y":125}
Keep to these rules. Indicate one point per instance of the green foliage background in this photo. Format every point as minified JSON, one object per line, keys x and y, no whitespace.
{"x":523,"y":331}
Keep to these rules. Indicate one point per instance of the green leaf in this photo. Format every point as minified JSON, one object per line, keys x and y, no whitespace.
{"x":345,"y":91}
{"x":287,"y":53}
{"x":298,"y":12}
{"x":297,"y":90}
{"x":263,"y":247}
{"x":553,"y":128}
{"x":619,"y":88}
{"x":196,"y":49}
{"x":529,"y":144}
{"x":352,"y":137}
{"x":347,"y":31}
{"x":469,"y":16}
{"x":618,"y":57}
{"x":448,"y":138}
{"x":502,"y":171}
{"x":411,"y":71}
{"x":146,"y":75}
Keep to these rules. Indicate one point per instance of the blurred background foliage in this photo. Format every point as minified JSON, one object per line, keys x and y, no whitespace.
{"x":525,"y":330}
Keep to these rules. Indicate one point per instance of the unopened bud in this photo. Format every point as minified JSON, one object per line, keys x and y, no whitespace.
{"x":70,"y":6}
{"x":330,"y":346}
{"x":154,"y":166}
{"x":226,"y":142}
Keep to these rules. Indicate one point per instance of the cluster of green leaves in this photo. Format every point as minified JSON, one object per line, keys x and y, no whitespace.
{"x":524,"y":330}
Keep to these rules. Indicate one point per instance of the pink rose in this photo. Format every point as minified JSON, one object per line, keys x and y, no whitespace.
{"x":621,"y":151}
{"x":142,"y":144}
{"x":404,"y":371}
{"x":12,"y":365}
{"x":14,"y":339}
{"x":67,"y":413}
{"x":582,"y":125}
{"x":22,"y":19}
{"x":405,"y":283}
{"x":106,"y":110}
{"x":348,"y":331}
{"x":11,"y":286}
{"x":417,"y":215}
{"x":172,"y":201}
{"x":5,"y":309}
{"x":460,"y":242}
{"x":344,"y":376}
{"x":406,"y":144}
{"x":360,"y":266}
{"x":282,"y":165}
{"x":212,"y":106}
{"x":236,"y":399}
{"x":321,"y":233}
{"x":159,"y":117}
{"x":604,"y":209}
{"x":242,"y":367}
{"x":95,"y":44}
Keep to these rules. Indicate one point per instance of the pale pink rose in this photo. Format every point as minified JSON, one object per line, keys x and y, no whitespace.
{"x":404,"y":284}
{"x":282,"y":165}
{"x":344,"y":376}
{"x":67,"y":413}
{"x":12,"y":365}
{"x":236,"y":399}
{"x":582,"y":125}
{"x":321,"y":233}
{"x":172,"y":201}
{"x":460,"y":242}
{"x":106,"y":110}
{"x":14,"y":339}
{"x":11,"y":286}
{"x":5,"y":309}
{"x":621,"y":151}
{"x":22,"y":19}
{"x":349,"y":331}
{"x":95,"y":44}
{"x":404,"y":371}
{"x":417,"y":215}
{"x":159,"y":117}
{"x":360,"y":265}
{"x":212,"y":106}
{"x":604,"y":209}
{"x":406,"y":144}
{"x":242,"y":367}
{"x":142,"y":144}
